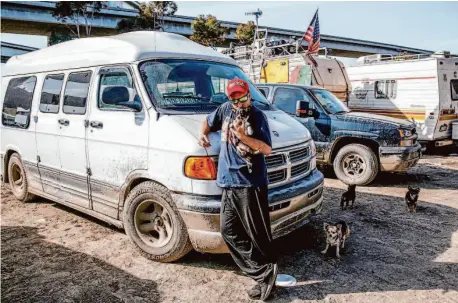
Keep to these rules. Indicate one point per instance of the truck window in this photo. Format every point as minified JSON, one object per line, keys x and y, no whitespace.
{"x":286,"y":98}
{"x":76,"y":91}
{"x":264,"y":91}
{"x":50,"y":94}
{"x":454,"y":89}
{"x":116,"y":76}
{"x":18,"y":101}
{"x":385,"y":89}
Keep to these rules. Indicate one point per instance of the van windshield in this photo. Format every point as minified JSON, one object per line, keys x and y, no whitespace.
{"x":193,"y":85}
{"x":330,"y":102}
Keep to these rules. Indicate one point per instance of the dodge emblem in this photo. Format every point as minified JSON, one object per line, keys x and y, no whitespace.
{"x":276,"y":134}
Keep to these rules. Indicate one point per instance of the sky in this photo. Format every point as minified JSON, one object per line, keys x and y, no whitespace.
{"x":424,"y":25}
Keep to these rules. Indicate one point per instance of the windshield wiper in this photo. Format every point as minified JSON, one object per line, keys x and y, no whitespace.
{"x":341,"y":112}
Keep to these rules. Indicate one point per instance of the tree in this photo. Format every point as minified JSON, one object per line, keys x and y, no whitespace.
{"x":208,"y":31}
{"x":150,"y":16}
{"x":245,"y":32}
{"x":75,"y":14}
{"x":58,"y":36}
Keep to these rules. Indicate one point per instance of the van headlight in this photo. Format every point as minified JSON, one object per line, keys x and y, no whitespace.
{"x":312,"y":164}
{"x":313,"y":148}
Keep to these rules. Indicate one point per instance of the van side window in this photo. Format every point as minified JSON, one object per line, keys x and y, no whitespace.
{"x":76,"y":91}
{"x":116,"y":76}
{"x":385,"y":89}
{"x":50,"y":94}
{"x":18,"y":101}
{"x":454,"y":89}
{"x":286,"y":98}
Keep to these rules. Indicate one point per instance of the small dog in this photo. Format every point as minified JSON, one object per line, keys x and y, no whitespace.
{"x":336,"y":236}
{"x":349,"y":195}
{"x":241,"y":117}
{"x":412,"y":198}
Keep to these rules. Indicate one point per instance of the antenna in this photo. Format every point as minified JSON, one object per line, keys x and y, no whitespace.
{"x":256,"y":14}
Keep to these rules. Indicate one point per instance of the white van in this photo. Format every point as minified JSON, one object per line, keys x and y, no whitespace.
{"x":109,"y":126}
{"x":419,"y":88}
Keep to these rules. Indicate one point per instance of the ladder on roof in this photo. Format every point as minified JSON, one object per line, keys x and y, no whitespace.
{"x":258,"y":50}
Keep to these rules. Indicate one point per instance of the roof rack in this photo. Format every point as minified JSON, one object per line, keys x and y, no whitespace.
{"x":401,"y":57}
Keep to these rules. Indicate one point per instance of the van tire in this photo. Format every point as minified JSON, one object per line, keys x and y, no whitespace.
{"x":356,"y":164}
{"x":17,"y":178}
{"x":157,"y":197}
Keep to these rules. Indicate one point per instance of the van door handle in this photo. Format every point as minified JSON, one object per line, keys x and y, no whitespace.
{"x":64,"y":122}
{"x":96,"y":124}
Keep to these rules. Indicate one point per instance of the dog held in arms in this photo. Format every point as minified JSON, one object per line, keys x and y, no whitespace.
{"x":412,"y":198}
{"x":336,"y":236}
{"x":349,"y":195}
{"x":241,"y":117}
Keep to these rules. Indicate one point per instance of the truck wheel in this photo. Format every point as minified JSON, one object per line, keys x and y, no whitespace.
{"x":18,"y":179}
{"x":153,"y":223}
{"x":356,"y":164}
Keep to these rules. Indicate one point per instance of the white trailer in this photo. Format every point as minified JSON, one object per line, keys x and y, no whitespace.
{"x":420,"y":88}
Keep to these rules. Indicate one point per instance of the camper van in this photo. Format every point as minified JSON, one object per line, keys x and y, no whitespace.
{"x":419,"y":88}
{"x":109,"y":126}
{"x":280,"y":61}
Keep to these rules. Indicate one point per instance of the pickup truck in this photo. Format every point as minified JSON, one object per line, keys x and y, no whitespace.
{"x":357,"y":145}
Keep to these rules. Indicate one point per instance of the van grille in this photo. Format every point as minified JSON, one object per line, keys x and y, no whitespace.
{"x":286,"y":164}
{"x":299,"y":154}
{"x":277,"y":176}
{"x":299,"y":169}
{"x":275,"y":160}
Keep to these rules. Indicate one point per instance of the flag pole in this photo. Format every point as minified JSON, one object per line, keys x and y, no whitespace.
{"x":302,"y":38}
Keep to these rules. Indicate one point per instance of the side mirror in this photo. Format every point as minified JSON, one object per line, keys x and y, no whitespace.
{"x":304,"y":109}
{"x":119,"y":95}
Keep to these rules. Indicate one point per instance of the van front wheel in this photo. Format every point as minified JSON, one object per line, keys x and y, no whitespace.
{"x":18,"y":179}
{"x":356,"y":164}
{"x":153,"y":223}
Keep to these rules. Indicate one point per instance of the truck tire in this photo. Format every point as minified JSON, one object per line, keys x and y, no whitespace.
{"x":356,"y":164}
{"x":153,"y":223}
{"x":17,"y":177}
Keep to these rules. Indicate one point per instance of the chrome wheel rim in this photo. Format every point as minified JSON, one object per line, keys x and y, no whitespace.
{"x":153,"y":223}
{"x":354,"y":165}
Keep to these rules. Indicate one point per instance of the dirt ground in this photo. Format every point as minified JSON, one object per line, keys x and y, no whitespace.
{"x":50,"y":253}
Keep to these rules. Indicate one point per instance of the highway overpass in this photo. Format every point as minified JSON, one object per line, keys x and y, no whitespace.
{"x":34,"y":18}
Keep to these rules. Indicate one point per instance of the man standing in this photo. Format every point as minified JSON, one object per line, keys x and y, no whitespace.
{"x":242,"y":173}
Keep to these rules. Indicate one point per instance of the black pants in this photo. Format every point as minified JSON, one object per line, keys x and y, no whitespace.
{"x":245,"y":227}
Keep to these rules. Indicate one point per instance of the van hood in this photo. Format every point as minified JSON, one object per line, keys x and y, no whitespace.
{"x":376,"y":118}
{"x":284,"y":130}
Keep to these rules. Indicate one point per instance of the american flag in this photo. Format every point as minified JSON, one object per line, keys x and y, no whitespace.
{"x":312,"y":35}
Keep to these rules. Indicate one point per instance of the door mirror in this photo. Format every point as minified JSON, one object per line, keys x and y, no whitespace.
{"x":304,"y":110}
{"x":119,"y":95}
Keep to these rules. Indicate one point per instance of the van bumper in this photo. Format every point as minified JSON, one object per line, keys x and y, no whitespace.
{"x":290,"y":207}
{"x":399,"y":158}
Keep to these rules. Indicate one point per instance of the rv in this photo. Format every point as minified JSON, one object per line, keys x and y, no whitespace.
{"x":419,"y":88}
{"x":109,"y":126}
{"x":280,"y":61}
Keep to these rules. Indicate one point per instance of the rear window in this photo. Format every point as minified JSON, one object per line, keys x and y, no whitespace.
{"x":454,"y":89}
{"x":18,"y":101}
